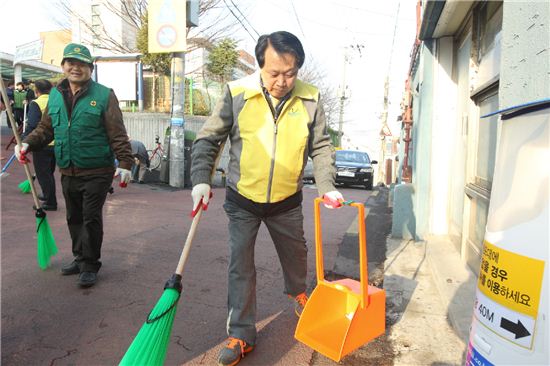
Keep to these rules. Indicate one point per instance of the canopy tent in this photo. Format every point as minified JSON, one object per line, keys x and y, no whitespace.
{"x":26,"y":70}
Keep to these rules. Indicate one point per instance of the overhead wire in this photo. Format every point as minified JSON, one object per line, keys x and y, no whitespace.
{"x":345,"y":29}
{"x":245,"y":18}
{"x":297,"y":19}
{"x":239,"y":20}
{"x":394,"y":33}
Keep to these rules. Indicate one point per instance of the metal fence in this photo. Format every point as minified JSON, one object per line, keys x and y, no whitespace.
{"x":145,"y":126}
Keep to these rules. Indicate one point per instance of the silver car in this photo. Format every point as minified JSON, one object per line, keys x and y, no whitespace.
{"x":308,"y":172}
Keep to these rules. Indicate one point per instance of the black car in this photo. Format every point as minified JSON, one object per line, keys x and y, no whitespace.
{"x":354,"y":168}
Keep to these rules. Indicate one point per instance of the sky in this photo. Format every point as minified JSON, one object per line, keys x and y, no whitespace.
{"x":328,"y":29}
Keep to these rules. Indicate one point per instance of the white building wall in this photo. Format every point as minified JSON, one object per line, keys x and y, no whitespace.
{"x":443,"y":130}
{"x":525,"y":66}
{"x":113,"y":25}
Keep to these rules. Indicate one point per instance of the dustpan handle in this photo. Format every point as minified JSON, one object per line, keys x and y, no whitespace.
{"x":363,"y":270}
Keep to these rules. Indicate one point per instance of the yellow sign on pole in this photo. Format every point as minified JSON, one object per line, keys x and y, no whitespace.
{"x":167,"y":26}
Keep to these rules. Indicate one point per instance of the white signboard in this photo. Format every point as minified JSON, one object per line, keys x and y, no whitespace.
{"x":511,"y":325}
{"x":28,"y":51}
{"x":119,"y":76}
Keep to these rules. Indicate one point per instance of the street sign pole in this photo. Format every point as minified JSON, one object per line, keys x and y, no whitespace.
{"x":177,"y":127}
{"x":167,"y":33}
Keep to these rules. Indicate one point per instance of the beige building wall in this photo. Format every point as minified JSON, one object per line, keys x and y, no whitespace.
{"x":54,"y":43}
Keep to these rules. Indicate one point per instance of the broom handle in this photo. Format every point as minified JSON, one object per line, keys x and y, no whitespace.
{"x":187,"y":247}
{"x":194,"y":224}
{"x":18,"y":139}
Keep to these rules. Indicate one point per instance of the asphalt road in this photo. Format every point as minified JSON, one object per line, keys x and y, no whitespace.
{"x":48,"y":320}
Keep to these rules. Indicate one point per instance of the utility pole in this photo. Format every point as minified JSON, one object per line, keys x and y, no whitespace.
{"x":342,"y":98}
{"x":344,"y":87}
{"x":381,"y":169}
{"x":385,"y":130}
{"x":177,"y":131}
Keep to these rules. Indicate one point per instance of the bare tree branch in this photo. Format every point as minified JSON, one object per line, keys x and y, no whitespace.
{"x":131,"y":13}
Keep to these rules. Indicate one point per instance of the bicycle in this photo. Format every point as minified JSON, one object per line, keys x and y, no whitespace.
{"x":156,"y":155}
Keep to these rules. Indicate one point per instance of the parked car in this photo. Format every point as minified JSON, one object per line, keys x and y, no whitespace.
{"x":308,"y":172}
{"x":354,"y":168}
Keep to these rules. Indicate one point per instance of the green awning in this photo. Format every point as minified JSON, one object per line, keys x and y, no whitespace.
{"x":30,"y":69}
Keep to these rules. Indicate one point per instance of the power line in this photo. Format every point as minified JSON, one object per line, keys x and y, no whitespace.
{"x":245,"y":18}
{"x":394,"y":33}
{"x":345,"y":29}
{"x":362,"y":10}
{"x":239,"y":20}
{"x":297,"y":19}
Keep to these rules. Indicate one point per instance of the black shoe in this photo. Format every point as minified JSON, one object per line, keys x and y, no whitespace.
{"x":41,"y":197}
{"x":87,"y":279}
{"x":70,"y":269}
{"x":47,"y":207}
{"x":141,"y":182}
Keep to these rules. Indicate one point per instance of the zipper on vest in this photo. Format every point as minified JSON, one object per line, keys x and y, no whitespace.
{"x":272,"y":167}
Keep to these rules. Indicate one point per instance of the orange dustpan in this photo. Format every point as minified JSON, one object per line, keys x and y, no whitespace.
{"x":341,"y":316}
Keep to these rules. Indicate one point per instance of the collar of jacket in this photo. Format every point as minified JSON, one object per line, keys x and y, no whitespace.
{"x":301,"y":89}
{"x":64,"y":86}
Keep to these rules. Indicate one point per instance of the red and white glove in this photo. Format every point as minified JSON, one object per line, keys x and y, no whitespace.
{"x":21,"y":153}
{"x":125,"y":176}
{"x":201,"y":194}
{"x":333,"y":199}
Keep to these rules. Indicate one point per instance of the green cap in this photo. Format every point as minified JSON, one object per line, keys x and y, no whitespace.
{"x":77,"y":51}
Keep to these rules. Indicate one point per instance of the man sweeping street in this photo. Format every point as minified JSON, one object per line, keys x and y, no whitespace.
{"x":274,"y":122}
{"x":85,"y":119}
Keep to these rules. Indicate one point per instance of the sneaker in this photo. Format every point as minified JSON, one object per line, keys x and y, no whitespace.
{"x":233,"y":352}
{"x":299,"y":303}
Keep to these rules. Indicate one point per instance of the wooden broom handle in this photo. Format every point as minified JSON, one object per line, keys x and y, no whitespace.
{"x":18,"y":139}
{"x":187,"y":246}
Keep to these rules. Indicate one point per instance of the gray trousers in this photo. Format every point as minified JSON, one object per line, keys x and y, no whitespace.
{"x":287,"y":232}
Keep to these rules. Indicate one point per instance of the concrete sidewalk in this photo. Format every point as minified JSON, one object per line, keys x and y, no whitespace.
{"x":430,"y":302}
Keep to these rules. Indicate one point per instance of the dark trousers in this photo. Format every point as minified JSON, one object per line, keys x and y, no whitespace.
{"x":19,"y":115}
{"x":84,"y":198}
{"x":44,"y":167}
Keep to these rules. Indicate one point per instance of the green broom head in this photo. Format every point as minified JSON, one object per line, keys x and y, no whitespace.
{"x":46,"y":247}
{"x":151,"y":343}
{"x":25,"y":186}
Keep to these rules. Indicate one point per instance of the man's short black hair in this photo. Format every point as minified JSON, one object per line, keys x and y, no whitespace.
{"x":282,"y":42}
{"x":43,"y":86}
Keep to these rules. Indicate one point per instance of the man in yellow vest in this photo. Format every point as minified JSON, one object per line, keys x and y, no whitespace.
{"x":43,"y":160}
{"x":274,"y":122}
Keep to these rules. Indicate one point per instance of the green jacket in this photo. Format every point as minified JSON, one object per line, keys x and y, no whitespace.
{"x":18,"y":98}
{"x":81,"y":140}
